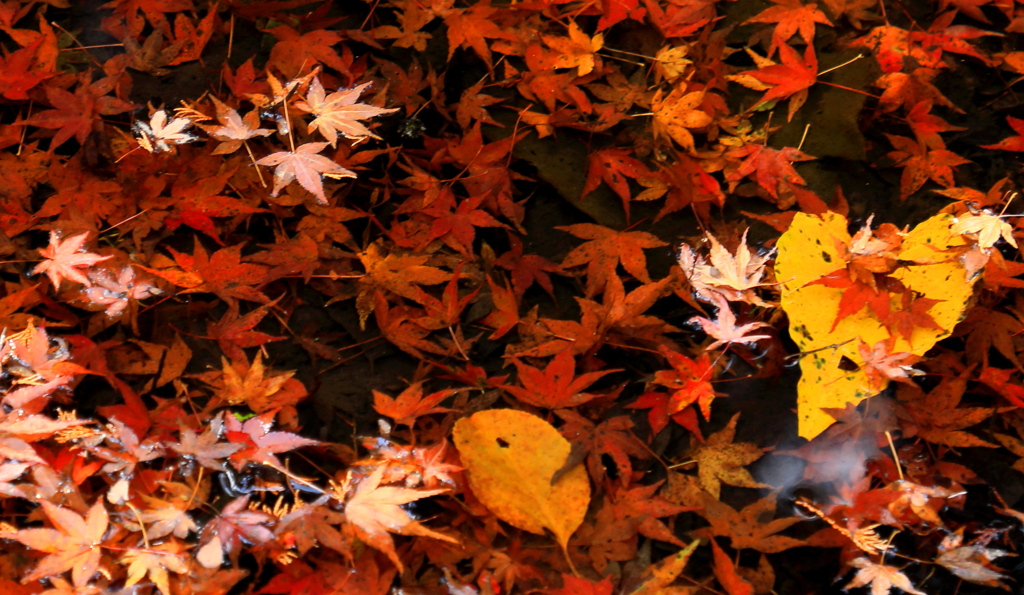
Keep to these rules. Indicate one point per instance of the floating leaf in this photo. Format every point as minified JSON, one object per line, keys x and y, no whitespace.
{"x":510,"y":457}
{"x":808,"y":252}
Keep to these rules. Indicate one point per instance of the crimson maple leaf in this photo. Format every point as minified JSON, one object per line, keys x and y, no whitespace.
{"x":72,"y":545}
{"x":65,"y":258}
{"x":557,"y":386}
{"x":305,"y":165}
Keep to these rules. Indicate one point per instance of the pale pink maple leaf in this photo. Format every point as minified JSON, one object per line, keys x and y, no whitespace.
{"x":306,"y":166}
{"x":879,"y":363}
{"x":724,"y":330}
{"x":64,"y":259}
{"x":339,"y":112}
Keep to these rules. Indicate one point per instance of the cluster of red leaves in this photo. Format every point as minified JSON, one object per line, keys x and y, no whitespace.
{"x":184,"y":486}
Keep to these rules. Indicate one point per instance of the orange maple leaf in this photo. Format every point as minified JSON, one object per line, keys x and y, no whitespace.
{"x":676,"y":113}
{"x":73,"y":545}
{"x":792,"y":16}
{"x":64,"y":259}
{"x":411,"y":404}
{"x":604,"y":251}
{"x":576,"y":51}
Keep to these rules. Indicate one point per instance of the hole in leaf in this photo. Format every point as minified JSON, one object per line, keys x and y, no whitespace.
{"x":502,"y":443}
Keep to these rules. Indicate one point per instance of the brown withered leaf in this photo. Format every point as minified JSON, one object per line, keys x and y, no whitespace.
{"x":754,"y":527}
{"x":720,"y":461}
{"x":882,"y":578}
{"x":937,"y":417}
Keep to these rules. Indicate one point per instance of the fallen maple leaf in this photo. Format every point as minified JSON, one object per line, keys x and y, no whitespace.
{"x":676,"y":113}
{"x":376,"y":511}
{"x":987,"y":226}
{"x":64,"y":258}
{"x":792,"y":16}
{"x":881,"y":364}
{"x":339,"y":113}
{"x":732,"y":277}
{"x":1013,"y":143}
{"x":159,"y":134}
{"x":234,"y":129}
{"x":919,"y":164}
{"x":411,"y":404}
{"x":790,"y":79}
{"x":557,"y":386}
{"x":206,"y":448}
{"x":724,"y":330}
{"x":605,"y":249}
{"x":577,"y":51}
{"x":305,"y":165}
{"x":882,"y":578}
{"x":720,"y":461}
{"x":72,"y":545}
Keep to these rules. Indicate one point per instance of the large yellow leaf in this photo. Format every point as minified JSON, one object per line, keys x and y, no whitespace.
{"x":510,"y":457}
{"x":807,"y":252}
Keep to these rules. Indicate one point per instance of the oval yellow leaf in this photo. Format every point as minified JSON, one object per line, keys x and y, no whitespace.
{"x":510,"y":457}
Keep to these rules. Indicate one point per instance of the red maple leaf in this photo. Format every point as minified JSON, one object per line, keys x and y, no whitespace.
{"x":1013,"y":143}
{"x":769,"y":166}
{"x":658,"y":416}
{"x":688,"y":379}
{"x":614,"y":166}
{"x":411,"y":404}
{"x":557,"y":386}
{"x":791,"y":79}
{"x":527,"y":269}
{"x":234,"y":333}
{"x":77,"y":114}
